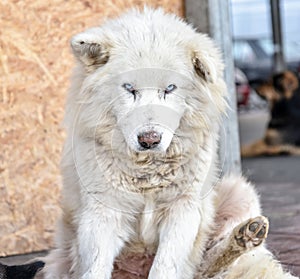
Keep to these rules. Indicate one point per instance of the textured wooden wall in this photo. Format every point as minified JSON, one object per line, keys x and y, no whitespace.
{"x":35,"y":65}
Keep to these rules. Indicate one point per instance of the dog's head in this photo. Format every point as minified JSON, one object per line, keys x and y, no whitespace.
{"x":281,"y":86}
{"x":145,"y":78}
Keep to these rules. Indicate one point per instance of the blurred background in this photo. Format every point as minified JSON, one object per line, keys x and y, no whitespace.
{"x":35,"y":67}
{"x":277,"y":176}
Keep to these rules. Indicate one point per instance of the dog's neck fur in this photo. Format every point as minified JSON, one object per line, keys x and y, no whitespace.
{"x":150,"y":172}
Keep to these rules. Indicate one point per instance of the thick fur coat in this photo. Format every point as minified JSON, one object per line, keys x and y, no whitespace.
{"x":139,"y":165}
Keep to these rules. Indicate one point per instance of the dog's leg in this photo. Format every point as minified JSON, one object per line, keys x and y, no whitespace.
{"x":101,"y":236}
{"x":178,"y":231}
{"x":283,"y":149}
{"x":236,"y":201}
{"x":260,"y":148}
{"x":257,"y":148}
{"x":244,"y":238}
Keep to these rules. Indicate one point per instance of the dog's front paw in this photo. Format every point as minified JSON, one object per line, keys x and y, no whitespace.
{"x":252,"y":233}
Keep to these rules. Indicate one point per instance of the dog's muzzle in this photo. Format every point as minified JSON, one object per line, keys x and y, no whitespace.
{"x":149,"y":128}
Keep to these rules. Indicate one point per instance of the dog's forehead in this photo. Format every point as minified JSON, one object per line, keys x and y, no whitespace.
{"x":149,"y":39}
{"x":149,"y":77}
{"x":154,"y":28}
{"x":154,"y":34}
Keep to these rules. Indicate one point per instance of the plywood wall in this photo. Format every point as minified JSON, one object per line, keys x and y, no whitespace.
{"x":35,"y":65}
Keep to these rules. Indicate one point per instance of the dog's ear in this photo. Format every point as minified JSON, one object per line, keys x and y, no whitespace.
{"x":267,"y":91}
{"x":202,"y":69}
{"x":90,"y":48}
{"x":290,"y":81}
{"x":206,"y":58}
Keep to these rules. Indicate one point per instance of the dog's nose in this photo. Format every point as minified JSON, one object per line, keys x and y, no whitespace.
{"x":149,"y":139}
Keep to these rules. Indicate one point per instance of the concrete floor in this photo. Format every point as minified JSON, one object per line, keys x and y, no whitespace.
{"x":278,"y":182}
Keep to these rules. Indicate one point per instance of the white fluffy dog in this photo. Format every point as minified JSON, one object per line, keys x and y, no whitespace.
{"x":140,"y":161}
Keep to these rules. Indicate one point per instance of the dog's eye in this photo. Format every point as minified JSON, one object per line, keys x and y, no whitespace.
{"x":129,"y":87}
{"x":170,"y":88}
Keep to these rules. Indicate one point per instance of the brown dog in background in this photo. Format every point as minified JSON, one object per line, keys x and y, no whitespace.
{"x":283,"y":131}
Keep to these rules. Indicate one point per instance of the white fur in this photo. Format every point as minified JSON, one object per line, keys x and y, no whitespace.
{"x":236,"y":201}
{"x":117,"y":198}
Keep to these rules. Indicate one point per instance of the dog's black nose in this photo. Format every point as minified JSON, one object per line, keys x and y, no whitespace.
{"x":149,"y":139}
